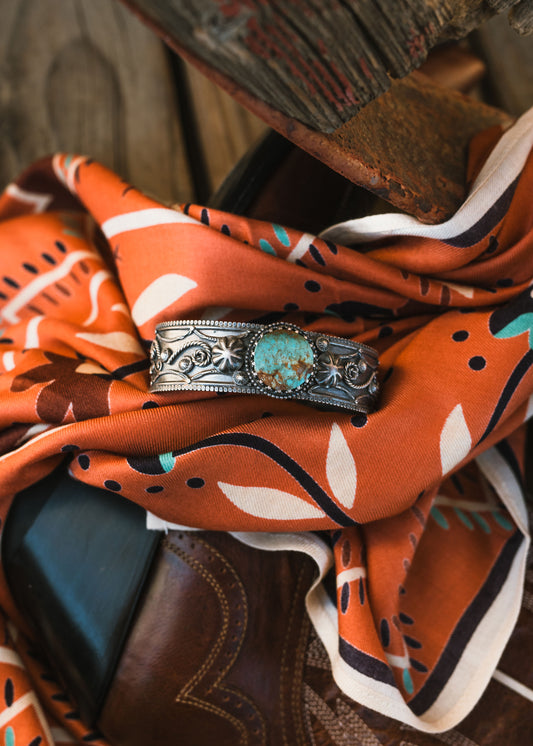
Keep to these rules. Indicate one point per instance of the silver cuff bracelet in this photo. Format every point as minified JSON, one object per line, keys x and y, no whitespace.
{"x":279,"y":360}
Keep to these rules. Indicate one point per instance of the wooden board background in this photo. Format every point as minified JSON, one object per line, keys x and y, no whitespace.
{"x":317,"y":62}
{"x":86,"y":76}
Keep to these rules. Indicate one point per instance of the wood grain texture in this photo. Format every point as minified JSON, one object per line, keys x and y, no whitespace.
{"x":224,"y":128}
{"x":521,"y":17}
{"x":375,"y":148}
{"x":86,"y":76}
{"x":316,"y":62}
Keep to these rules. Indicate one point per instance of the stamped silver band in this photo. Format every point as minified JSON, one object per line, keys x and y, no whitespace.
{"x":279,"y":360}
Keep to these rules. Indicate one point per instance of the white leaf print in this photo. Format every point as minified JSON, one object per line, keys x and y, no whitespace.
{"x":32,"y":333}
{"x":529,"y":410}
{"x":90,"y":368}
{"x":161,"y":293}
{"x":94,"y":287}
{"x":121,"y":341}
{"x":38,"y":201}
{"x":148,"y":218}
{"x":26,"y":294}
{"x":8,"y":360}
{"x":455,"y":440}
{"x":265,"y":502}
{"x":340,"y":468}
{"x":121,"y":308}
{"x":466,"y":290}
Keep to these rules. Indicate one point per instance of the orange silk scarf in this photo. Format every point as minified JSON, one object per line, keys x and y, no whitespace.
{"x":414,"y":514}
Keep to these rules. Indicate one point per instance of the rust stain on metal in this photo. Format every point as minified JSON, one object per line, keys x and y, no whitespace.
{"x":409,"y":146}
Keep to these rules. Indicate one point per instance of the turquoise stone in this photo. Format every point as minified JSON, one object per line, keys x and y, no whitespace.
{"x":283,"y":359}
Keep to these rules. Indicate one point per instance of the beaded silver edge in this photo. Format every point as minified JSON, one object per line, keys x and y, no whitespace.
{"x":357,"y":395}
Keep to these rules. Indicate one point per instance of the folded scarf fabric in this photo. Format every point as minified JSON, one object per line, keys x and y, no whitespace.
{"x":415,"y":513}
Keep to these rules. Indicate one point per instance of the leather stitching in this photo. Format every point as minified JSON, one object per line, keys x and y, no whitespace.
{"x":294,"y":691}
{"x":216,"y":687}
{"x":297,"y":699}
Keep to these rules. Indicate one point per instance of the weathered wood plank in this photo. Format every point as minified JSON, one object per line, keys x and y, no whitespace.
{"x":397,"y":147}
{"x":509,"y":61}
{"x":521,"y":17}
{"x":316,"y":62}
{"x":86,"y":76}
{"x":225,"y":129}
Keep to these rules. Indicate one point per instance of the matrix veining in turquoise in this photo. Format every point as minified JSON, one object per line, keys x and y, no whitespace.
{"x":283,"y":359}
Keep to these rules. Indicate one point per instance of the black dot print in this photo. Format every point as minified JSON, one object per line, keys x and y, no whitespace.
{"x":9,"y":692}
{"x":110,"y":484}
{"x":60,"y":697}
{"x":312,"y":286}
{"x":150,"y":405}
{"x":154,"y":489}
{"x":345,"y":598}
{"x":457,"y":484}
{"x":346,"y":553}
{"x":460,"y":336}
{"x":505,"y":282}
{"x":387,"y":375}
{"x":477,"y":362}
{"x":195,"y":482}
{"x":335,"y":536}
{"x":359,"y":420}
{"x":290,"y":307}
{"x":417,"y":665}
{"x":84,"y":461}
{"x":385,"y":331}
{"x":384,"y":630}
{"x":493,"y":245}
{"x":317,"y":256}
